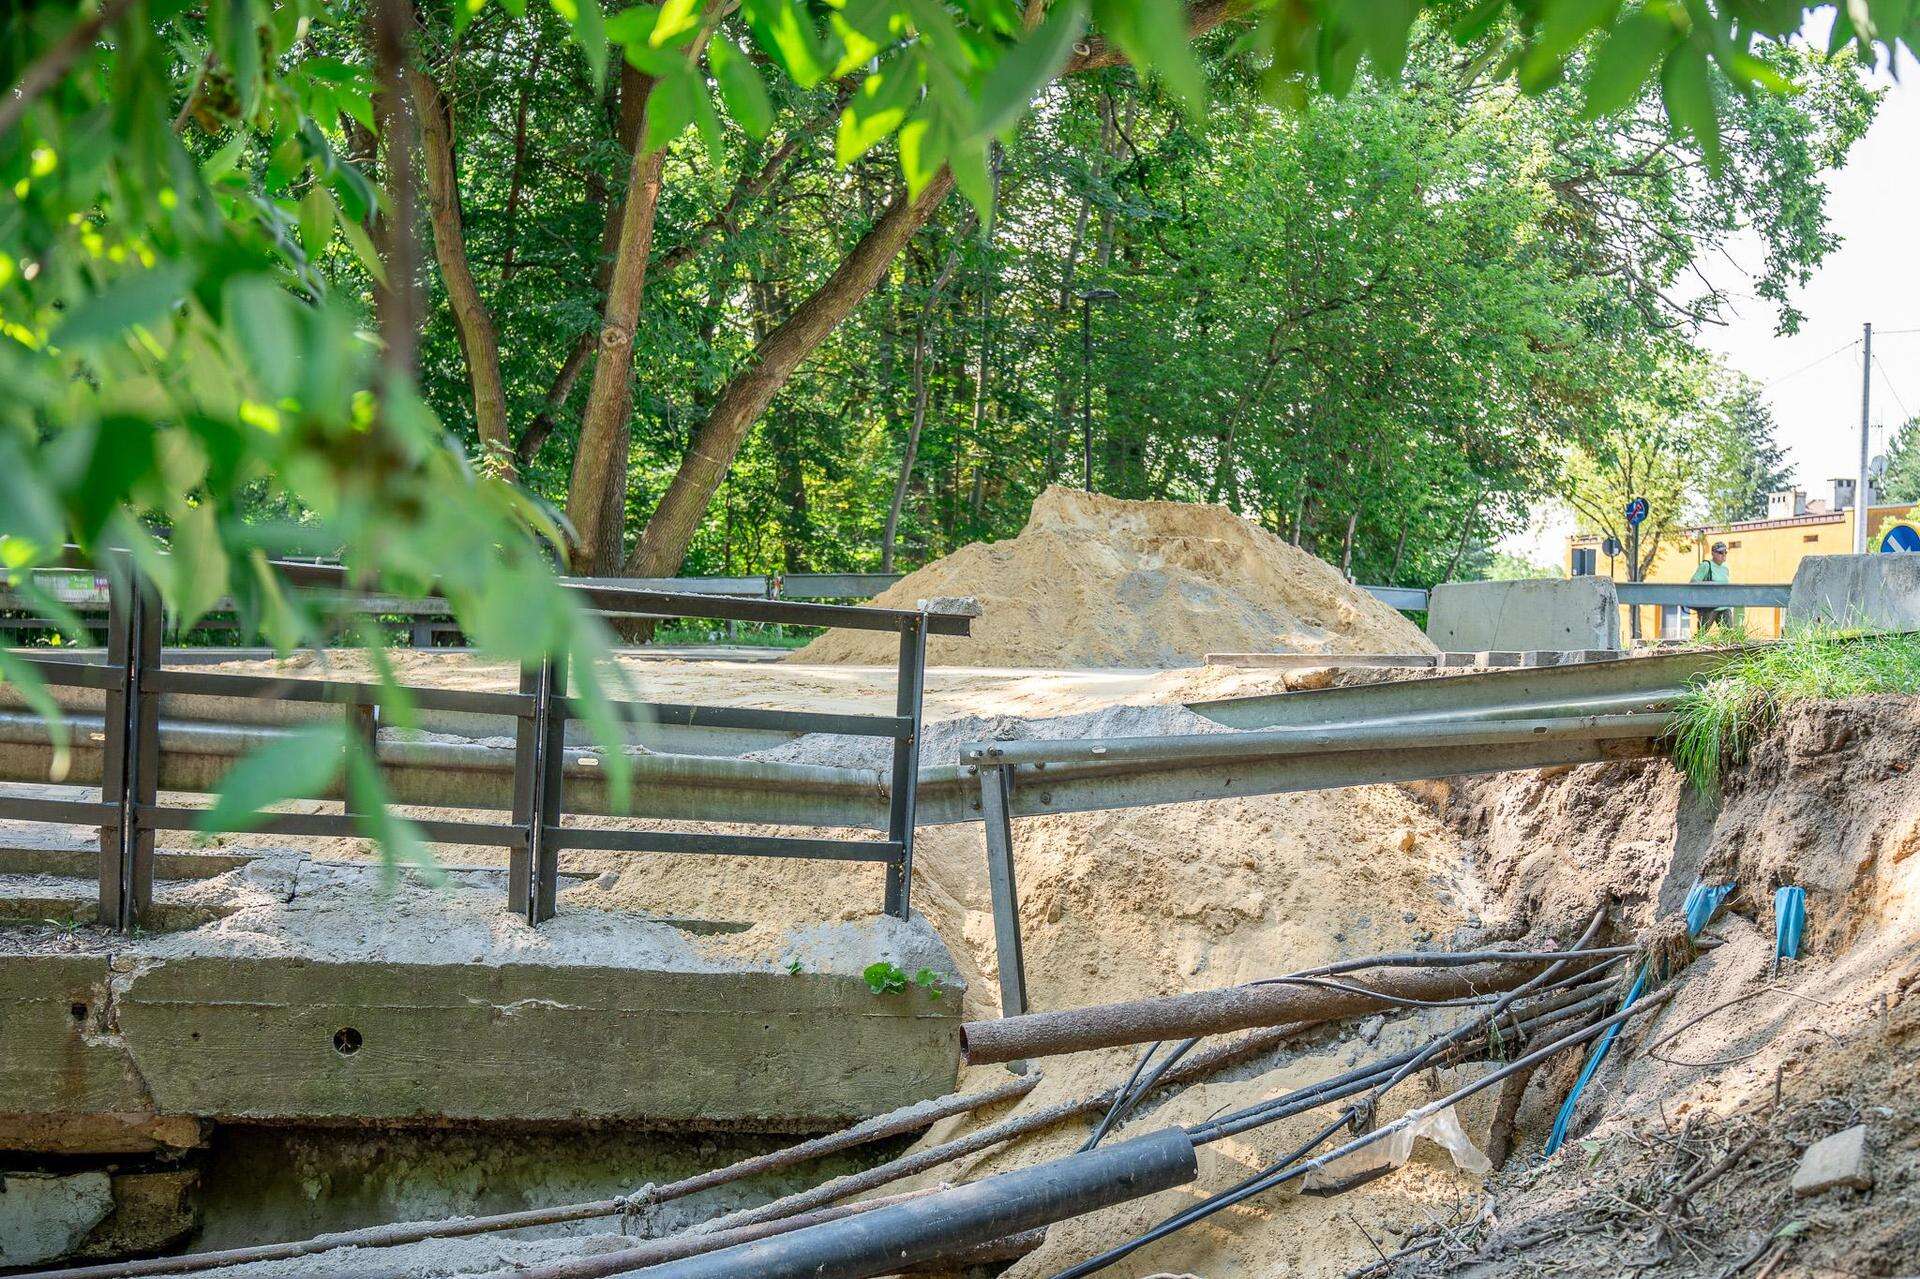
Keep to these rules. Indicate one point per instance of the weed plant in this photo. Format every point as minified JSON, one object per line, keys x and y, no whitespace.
{"x":1718,"y":719}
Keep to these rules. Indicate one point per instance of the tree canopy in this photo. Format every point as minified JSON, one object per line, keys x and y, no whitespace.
{"x":454,"y":290}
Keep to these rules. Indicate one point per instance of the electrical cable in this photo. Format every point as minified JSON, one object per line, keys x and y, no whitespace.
{"x":1289,"y":1166}
{"x":1785,"y":377}
{"x":1135,"y":1089}
{"x":1906,"y":415}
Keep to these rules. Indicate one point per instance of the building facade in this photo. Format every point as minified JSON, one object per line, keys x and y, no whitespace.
{"x":1759,"y":551}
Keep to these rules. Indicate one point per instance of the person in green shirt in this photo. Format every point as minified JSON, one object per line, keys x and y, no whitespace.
{"x":1712,"y":570}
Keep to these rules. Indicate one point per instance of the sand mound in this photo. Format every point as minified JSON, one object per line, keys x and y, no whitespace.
{"x":1096,"y":581}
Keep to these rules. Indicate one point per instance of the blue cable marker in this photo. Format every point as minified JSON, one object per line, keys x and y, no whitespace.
{"x":1789,"y":922}
{"x":1703,"y":902}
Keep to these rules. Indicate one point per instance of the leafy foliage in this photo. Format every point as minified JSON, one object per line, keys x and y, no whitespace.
{"x":219,"y":339}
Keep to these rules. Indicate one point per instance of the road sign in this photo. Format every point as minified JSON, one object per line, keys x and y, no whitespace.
{"x":1636,"y":511}
{"x":1610,"y":547}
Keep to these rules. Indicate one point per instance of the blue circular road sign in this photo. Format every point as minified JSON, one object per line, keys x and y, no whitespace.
{"x":1636,"y":511}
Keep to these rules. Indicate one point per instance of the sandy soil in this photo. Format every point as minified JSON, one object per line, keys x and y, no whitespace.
{"x":1095,"y":581}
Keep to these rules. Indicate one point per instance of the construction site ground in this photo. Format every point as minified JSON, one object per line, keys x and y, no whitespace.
{"x":1684,"y":1145}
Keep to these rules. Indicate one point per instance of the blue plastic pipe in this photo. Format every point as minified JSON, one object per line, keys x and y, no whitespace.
{"x":1703,"y":902}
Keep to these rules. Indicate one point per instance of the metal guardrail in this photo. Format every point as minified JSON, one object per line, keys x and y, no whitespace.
{"x":134,"y":759}
{"x":1705,"y":594}
{"x":1059,"y":774}
{"x":429,"y":620}
{"x":1408,"y":599}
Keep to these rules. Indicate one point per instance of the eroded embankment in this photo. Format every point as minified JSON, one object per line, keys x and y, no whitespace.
{"x":1687,"y":1142}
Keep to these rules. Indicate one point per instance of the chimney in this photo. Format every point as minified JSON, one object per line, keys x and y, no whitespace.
{"x":1786,"y":504}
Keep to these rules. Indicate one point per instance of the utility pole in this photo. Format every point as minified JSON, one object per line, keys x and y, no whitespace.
{"x":1861,"y":483}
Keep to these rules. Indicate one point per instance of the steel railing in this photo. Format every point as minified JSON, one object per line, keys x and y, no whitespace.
{"x":131,"y":763}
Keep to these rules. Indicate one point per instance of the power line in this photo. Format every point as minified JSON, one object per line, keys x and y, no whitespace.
{"x":1847,"y":346}
{"x":1887,"y":377}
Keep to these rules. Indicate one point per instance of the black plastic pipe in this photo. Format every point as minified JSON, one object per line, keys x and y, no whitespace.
{"x":887,"y":1240}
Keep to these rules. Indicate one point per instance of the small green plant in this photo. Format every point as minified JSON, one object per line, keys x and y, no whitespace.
{"x":793,"y":968}
{"x":887,"y":977}
{"x":1720,"y":716}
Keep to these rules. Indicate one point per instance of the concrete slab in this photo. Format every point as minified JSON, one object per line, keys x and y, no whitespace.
{"x":1874,"y":592}
{"x":316,"y":998}
{"x":1544,"y":613}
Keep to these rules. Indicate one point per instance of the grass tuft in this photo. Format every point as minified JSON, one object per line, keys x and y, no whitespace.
{"x":1718,"y":719}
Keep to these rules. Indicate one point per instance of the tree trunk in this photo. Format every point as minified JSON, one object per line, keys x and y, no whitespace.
{"x":1346,"y":545}
{"x":1460,"y":547}
{"x":597,"y":495}
{"x":1399,"y":553}
{"x":478,"y":340}
{"x":628,"y":114}
{"x":663,"y":544}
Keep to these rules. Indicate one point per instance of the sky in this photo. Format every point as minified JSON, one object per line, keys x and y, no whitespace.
{"x":1812,"y":379}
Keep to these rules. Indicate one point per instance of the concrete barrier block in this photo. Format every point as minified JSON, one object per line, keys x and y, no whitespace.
{"x":1877,"y":592}
{"x":1543,"y":613}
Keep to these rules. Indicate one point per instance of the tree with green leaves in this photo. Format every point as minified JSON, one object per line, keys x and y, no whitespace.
{"x":218,"y":303}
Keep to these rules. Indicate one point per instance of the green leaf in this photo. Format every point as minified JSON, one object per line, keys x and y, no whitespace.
{"x":707,"y":121}
{"x":200,"y":563}
{"x":301,"y":765}
{"x":27,"y":508}
{"x":884,"y":977}
{"x":221,"y":162}
{"x":923,"y":150}
{"x":1752,"y":70}
{"x":782,"y":29}
{"x":33,"y":690}
{"x":137,"y":297}
{"x":1626,"y":59}
{"x":235,"y":28}
{"x":397,"y":838}
{"x":670,"y":107}
{"x":464,"y":12}
{"x":316,"y":220}
{"x":1028,"y":67}
{"x":362,"y":245}
{"x":971,"y":174}
{"x":262,"y":318}
{"x":632,"y":26}
{"x":1153,"y":35}
{"x":741,"y":88}
{"x":677,"y":18}
{"x":878,"y":108}
{"x":1688,"y":94}
{"x":589,"y":32}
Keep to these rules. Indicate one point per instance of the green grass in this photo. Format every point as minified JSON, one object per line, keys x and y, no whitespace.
{"x":1718,"y":719}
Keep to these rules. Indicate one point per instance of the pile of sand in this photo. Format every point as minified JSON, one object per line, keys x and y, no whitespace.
{"x":1097,"y":581}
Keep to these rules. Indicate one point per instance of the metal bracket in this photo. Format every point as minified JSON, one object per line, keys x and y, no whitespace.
{"x":903,"y":794}
{"x":996,"y":811}
{"x":539,"y":780}
{"x":130,"y":761}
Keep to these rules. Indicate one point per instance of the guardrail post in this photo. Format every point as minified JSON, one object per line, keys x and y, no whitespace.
{"x":363,"y":725}
{"x":539,"y":762}
{"x":903,"y":796}
{"x":130,"y":758}
{"x":996,"y":813}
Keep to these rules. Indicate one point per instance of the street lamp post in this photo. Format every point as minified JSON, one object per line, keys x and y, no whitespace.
{"x":1087,"y":298}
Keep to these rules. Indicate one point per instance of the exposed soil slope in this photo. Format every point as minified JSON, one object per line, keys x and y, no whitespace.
{"x":1097,"y":581}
